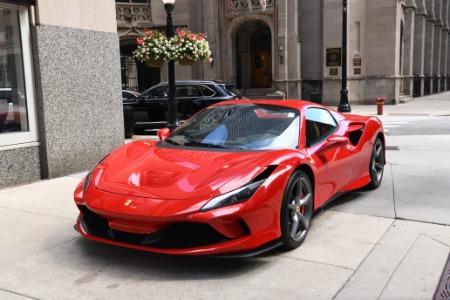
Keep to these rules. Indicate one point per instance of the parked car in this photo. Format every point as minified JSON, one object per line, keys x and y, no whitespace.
{"x":238,"y":178}
{"x":148,"y":111}
{"x":129,"y":95}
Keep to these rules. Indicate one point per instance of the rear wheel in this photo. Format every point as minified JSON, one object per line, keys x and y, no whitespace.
{"x":128,"y":121}
{"x":376,"y":165}
{"x":296,"y":210}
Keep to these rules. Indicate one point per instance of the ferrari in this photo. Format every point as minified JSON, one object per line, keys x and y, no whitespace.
{"x":237,"y":178}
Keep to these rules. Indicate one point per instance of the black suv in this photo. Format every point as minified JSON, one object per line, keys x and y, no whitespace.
{"x":148,"y":112}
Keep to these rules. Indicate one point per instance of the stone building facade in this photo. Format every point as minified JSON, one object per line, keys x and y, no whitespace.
{"x":60,"y":96}
{"x":63,"y":64}
{"x":396,"y":49}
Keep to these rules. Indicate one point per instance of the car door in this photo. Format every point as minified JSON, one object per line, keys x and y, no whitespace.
{"x":186,"y":95}
{"x":334,"y":165}
{"x":150,"y":108}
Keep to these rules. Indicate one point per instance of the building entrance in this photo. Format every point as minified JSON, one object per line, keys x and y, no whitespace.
{"x":254,"y":55}
{"x":136,"y":76}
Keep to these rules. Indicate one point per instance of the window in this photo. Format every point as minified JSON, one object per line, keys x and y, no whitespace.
{"x":319,"y":125}
{"x":154,"y":93}
{"x":17,"y":113}
{"x":206,"y":91}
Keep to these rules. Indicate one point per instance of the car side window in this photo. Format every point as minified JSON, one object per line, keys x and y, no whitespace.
{"x":193,"y":91}
{"x":319,"y":125}
{"x":158,"y":92}
{"x":206,"y":91}
{"x":182,"y":91}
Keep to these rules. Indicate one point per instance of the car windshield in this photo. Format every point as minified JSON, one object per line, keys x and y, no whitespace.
{"x":240,"y":126}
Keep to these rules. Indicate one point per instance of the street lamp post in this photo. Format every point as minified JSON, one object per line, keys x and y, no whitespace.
{"x":169,"y":5}
{"x":344,"y":105}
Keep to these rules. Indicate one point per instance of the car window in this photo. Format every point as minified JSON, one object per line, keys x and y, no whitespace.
{"x":233,"y":91}
{"x":190,"y":91}
{"x":155,"y":93}
{"x":319,"y":124}
{"x":127,"y":96}
{"x":206,"y":91}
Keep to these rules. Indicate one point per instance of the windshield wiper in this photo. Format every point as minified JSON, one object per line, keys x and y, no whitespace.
{"x":170,"y":141}
{"x":208,"y":145}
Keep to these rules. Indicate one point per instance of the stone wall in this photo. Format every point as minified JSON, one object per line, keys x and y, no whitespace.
{"x":79,"y":100}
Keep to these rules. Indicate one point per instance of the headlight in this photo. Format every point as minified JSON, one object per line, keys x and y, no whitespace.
{"x":240,"y":195}
{"x":87,"y":179}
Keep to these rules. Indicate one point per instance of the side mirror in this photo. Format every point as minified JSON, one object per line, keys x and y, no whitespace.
{"x":163,"y":133}
{"x":333,"y":142}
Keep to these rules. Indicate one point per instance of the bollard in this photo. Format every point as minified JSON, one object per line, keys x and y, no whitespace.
{"x":380,"y":103}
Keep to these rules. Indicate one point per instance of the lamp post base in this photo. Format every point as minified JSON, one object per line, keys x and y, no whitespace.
{"x":344,"y":105}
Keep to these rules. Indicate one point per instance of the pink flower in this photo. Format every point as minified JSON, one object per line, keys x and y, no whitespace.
{"x":140,"y":41}
{"x":181,"y":33}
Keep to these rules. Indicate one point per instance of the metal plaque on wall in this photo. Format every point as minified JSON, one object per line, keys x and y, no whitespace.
{"x":334,"y":57}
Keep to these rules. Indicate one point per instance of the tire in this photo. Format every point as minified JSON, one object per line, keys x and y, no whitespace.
{"x":296,"y":210}
{"x":376,"y":164}
{"x":128,"y":121}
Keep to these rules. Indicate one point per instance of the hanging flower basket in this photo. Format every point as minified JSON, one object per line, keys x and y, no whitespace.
{"x":185,"y":48}
{"x":186,"y":62}
{"x":152,"y":48}
{"x":154,"y":63}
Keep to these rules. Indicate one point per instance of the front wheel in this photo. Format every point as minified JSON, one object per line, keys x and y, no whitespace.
{"x":296,"y":210}
{"x":376,"y":165}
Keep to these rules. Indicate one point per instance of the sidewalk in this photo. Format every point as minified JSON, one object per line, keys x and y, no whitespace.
{"x":391,"y":243}
{"x":433,"y":105}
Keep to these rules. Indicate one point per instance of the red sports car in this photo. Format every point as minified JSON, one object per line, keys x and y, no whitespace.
{"x":238,"y":178}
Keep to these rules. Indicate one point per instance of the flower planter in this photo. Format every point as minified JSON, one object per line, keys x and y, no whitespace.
{"x":186,"y":62}
{"x":154,"y":63}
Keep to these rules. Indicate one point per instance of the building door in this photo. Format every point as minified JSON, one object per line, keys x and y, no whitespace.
{"x":253,"y":45}
{"x":261,"y":69}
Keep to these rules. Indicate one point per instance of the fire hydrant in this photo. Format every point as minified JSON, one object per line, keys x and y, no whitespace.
{"x":380,"y":103}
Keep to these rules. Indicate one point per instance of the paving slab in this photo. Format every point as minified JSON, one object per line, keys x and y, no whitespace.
{"x":84,"y":269}
{"x":379,"y":202}
{"x":421,"y":176}
{"x":5,"y":295}
{"x":23,"y":233}
{"x":396,"y":254}
{"x":420,"y":194}
{"x":406,"y":283}
{"x":341,"y":239}
{"x":47,"y":197}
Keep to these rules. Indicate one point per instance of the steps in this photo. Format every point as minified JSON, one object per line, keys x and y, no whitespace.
{"x":257,"y":93}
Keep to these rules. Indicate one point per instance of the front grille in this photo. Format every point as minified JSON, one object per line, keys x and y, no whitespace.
{"x":176,"y":236}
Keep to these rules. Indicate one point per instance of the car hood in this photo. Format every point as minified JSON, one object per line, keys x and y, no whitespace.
{"x":144,"y":169}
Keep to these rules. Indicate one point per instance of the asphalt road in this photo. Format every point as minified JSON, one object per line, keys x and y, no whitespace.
{"x":418,"y":125}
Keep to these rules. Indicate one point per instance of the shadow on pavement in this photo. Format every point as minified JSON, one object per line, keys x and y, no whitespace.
{"x":135,"y":263}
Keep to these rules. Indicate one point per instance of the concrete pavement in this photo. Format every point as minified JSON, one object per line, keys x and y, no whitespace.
{"x":391,"y":243}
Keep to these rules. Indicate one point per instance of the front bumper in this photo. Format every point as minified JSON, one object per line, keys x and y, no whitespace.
{"x":184,"y":231}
